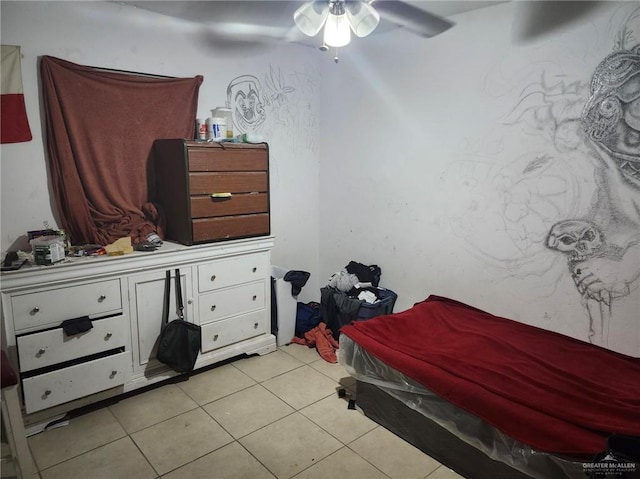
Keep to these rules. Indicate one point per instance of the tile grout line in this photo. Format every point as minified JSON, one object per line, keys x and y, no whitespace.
{"x":338,"y":384}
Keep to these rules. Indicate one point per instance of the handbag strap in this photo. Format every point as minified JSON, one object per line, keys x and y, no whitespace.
{"x":179,"y":305}
{"x":167,"y":295}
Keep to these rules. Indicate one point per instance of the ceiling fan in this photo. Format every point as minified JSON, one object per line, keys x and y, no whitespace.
{"x":254,"y":24}
{"x":341,"y":17}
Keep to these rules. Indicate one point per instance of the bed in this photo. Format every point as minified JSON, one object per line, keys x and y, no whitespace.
{"x":490,"y":397}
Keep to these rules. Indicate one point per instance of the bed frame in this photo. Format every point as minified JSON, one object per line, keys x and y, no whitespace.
{"x":442,"y":445}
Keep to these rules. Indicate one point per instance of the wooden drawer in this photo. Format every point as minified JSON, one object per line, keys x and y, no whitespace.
{"x":227,"y":227}
{"x":232,"y":271}
{"x":239,"y":159}
{"x":63,"y":385}
{"x":239,"y":204}
{"x":232,"y":301}
{"x":50,"y":347}
{"x":228,"y":182}
{"x":229,"y":331}
{"x":55,"y":305}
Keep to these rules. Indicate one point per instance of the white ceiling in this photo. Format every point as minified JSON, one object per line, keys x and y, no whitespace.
{"x":261,"y":21}
{"x":447,"y":8}
{"x":273,"y":12}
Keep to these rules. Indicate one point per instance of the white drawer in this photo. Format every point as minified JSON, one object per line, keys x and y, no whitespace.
{"x":231,"y":271}
{"x":55,"y":305}
{"x":57,"y":387}
{"x":53,"y":346}
{"x":231,"y":301}
{"x":228,"y":331}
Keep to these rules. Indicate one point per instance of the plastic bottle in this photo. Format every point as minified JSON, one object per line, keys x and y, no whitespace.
{"x":216,"y":129}
{"x":226,"y":113}
{"x":201,"y":129}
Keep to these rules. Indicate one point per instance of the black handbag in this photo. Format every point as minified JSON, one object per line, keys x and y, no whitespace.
{"x":179,"y":341}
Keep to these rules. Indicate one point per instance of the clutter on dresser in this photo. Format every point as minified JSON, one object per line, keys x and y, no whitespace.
{"x":217,"y":127}
{"x":13,"y":262}
{"x":227,"y":115}
{"x":47,"y":249}
{"x":48,"y":246}
{"x":119,"y":247}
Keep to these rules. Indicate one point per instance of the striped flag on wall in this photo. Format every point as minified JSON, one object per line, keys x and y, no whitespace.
{"x":14,"y":125}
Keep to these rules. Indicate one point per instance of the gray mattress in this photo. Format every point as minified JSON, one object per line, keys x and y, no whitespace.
{"x":472,"y":430}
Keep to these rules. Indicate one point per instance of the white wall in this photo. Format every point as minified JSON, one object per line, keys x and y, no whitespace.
{"x":447,"y":161}
{"x":109,"y":35}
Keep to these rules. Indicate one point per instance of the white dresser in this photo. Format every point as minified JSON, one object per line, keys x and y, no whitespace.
{"x":226,"y":289}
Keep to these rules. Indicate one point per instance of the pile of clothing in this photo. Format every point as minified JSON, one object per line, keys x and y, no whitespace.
{"x":346,"y":291}
{"x":318,"y":325}
{"x":320,"y":338}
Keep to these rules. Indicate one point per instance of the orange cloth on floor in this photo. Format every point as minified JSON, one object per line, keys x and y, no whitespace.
{"x":322,"y":339}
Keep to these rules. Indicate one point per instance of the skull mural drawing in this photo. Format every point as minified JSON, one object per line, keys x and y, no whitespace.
{"x":603,"y":248}
{"x":578,"y":239}
{"x":581,"y":240}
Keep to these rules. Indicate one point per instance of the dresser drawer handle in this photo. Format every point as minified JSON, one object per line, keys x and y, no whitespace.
{"x":215,"y":337}
{"x":113,"y":374}
{"x":254,"y":270}
{"x":255,"y":297}
{"x":213,"y":278}
{"x":41,"y":351}
{"x":255,"y":325}
{"x":213,"y":307}
{"x":47,"y":393}
{"x":35,"y":310}
{"x":101,"y":298}
{"x":108,"y":336}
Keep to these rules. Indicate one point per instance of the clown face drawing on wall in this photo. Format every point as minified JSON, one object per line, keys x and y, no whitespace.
{"x":244,"y":99}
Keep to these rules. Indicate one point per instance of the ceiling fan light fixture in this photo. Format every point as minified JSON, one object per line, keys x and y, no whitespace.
{"x":337,"y":31}
{"x":310,"y":17}
{"x":363,"y":18}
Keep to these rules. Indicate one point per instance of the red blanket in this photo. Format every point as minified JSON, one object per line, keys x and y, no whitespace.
{"x":552,"y":392}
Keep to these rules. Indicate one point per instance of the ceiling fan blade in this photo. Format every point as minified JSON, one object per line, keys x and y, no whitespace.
{"x":233,"y":26}
{"x":535,"y":19}
{"x":412,"y":18}
{"x":238,"y":36}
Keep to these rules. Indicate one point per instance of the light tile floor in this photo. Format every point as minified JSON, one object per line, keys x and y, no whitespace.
{"x":272,"y":416}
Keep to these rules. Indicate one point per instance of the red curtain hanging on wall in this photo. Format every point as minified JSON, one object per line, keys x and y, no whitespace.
{"x":100,"y":127}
